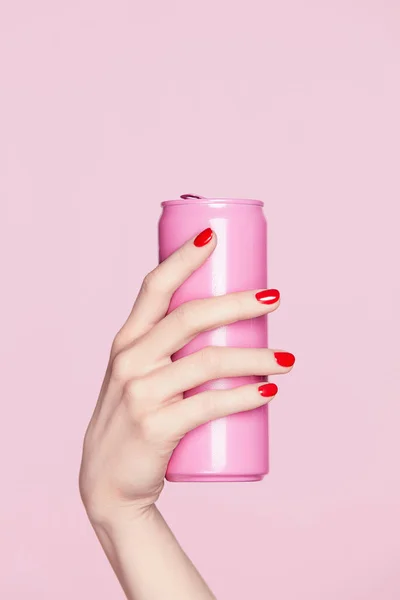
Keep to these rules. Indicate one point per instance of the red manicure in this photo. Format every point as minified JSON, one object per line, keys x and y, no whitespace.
{"x":203,"y":238}
{"x":267,"y":390}
{"x":284,"y":359}
{"x":268,"y":296}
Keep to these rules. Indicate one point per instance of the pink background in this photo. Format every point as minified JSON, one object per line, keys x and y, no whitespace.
{"x":107,"y":108}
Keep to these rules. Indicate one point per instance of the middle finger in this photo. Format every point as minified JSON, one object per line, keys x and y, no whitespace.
{"x":191,"y":318}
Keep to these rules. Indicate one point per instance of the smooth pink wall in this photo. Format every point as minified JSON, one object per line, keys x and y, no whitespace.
{"x":107,"y":108}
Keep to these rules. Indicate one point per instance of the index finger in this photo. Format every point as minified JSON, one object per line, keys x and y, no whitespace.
{"x":158,"y":286}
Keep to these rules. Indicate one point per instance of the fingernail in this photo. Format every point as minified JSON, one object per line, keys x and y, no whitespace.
{"x":268,"y":296}
{"x":267,"y":390}
{"x":203,"y":238}
{"x":284,"y":359}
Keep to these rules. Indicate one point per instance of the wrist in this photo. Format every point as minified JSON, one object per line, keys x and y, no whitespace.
{"x":119,"y":517}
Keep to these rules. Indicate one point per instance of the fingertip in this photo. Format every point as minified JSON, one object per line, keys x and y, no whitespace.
{"x":203,"y":238}
{"x":270,"y":296}
{"x":268,"y":390}
{"x":285,"y":359}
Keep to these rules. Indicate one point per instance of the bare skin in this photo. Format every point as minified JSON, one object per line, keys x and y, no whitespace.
{"x":141,"y":415}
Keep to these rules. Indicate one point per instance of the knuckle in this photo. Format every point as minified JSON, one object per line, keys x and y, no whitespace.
{"x":151,"y":281}
{"x":135,"y":389}
{"x":136,"y":410}
{"x":210,"y":405}
{"x":126,"y":364}
{"x":117,"y":343}
{"x":182,"y":314}
{"x":120,"y":366}
{"x":210,"y":358}
{"x":238,"y":303}
{"x":182,"y":257}
{"x":151,"y":428}
{"x":186,"y":315}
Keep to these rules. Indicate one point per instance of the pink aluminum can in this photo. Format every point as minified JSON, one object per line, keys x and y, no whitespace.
{"x":234,"y":448}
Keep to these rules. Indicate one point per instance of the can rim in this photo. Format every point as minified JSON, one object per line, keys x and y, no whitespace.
{"x":190,"y":201}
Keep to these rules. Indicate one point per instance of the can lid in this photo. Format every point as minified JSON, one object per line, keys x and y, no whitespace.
{"x":196,"y":199}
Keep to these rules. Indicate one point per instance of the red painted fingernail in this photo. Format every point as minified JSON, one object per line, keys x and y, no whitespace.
{"x":268,"y":296}
{"x":284,"y":359}
{"x":203,"y":238}
{"x":267,"y":390}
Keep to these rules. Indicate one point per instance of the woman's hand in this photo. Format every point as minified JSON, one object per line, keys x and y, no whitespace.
{"x":141,"y":414}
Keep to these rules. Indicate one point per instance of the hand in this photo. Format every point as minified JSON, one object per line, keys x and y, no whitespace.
{"x":140,"y":414}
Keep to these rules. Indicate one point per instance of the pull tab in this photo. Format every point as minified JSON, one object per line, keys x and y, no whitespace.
{"x":188,"y":196}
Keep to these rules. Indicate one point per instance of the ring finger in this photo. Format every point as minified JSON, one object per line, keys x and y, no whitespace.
{"x":210,"y":363}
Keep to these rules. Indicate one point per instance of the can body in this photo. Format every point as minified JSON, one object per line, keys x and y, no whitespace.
{"x":233,"y":448}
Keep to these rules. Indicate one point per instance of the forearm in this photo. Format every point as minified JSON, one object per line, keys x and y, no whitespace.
{"x":148,"y":561}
